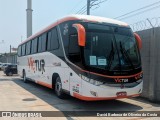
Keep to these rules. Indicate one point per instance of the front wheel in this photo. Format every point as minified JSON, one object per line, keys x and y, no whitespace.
{"x":58,"y":88}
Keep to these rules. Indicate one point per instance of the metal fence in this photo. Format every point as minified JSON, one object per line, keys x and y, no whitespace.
{"x":146,"y":24}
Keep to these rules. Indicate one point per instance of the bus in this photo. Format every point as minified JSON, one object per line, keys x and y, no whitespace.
{"x":88,"y":57}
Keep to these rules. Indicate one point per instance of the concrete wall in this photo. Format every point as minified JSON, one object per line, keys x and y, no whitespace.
{"x":151,"y":63}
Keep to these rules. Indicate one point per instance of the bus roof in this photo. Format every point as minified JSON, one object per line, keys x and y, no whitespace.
{"x":99,"y":19}
{"x":88,"y":18}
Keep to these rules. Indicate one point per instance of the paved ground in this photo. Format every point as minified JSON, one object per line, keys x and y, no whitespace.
{"x":19,"y":96}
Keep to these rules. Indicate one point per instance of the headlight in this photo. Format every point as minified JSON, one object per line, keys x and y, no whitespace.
{"x":97,"y":83}
{"x":139,"y":81}
{"x":94,"y":82}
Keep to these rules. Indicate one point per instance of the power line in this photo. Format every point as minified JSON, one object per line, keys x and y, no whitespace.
{"x":138,"y":10}
{"x":90,"y":4}
{"x":101,"y":1}
{"x":74,"y":8}
{"x":93,"y":3}
{"x":82,"y":12}
{"x":84,"y":7}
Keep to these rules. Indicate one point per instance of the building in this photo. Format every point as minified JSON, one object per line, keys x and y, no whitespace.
{"x":8,"y":58}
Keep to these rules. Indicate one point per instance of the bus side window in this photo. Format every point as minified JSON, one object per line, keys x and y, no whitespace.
{"x":40,"y":44}
{"x":52,"y":40}
{"x":28,"y":48}
{"x":49,"y":40}
{"x":44,"y":40}
{"x":19,"y":51}
{"x":73,"y":44}
{"x":23,"y":49}
{"x":34,"y":46}
{"x":74,"y":49}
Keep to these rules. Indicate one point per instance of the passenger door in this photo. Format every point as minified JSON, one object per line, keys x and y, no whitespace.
{"x":74,"y":56}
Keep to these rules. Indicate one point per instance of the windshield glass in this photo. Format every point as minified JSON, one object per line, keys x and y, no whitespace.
{"x":127,"y":47}
{"x":111,"y":48}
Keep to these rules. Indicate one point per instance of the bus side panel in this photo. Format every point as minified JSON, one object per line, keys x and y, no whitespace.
{"x":41,"y":66}
{"x":75,"y":82}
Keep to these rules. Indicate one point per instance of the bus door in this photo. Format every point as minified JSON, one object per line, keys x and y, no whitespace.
{"x":74,"y":57}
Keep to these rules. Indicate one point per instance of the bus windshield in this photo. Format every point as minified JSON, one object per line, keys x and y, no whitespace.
{"x":111,"y":48}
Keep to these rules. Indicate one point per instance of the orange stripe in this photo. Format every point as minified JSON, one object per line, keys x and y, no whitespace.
{"x":44,"y":84}
{"x":85,"y":98}
{"x":67,"y":19}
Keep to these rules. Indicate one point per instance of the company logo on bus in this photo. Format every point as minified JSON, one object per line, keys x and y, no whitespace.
{"x":36,"y":65}
{"x":118,"y":80}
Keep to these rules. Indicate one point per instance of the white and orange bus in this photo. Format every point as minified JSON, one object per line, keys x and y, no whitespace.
{"x":88,"y":57}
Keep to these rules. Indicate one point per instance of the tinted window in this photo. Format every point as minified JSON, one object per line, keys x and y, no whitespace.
{"x":64,"y":32}
{"x":19,"y":51}
{"x":98,"y":27}
{"x":44,"y":37}
{"x":34,"y":46}
{"x":9,"y":66}
{"x":14,"y":66}
{"x":39,"y":44}
{"x":23,"y":49}
{"x":49,"y":40}
{"x":52,"y":40}
{"x":73,"y":45}
{"x":28,"y":48}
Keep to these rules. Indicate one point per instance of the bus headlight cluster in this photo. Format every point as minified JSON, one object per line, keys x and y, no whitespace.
{"x":139,"y":81}
{"x":94,"y":82}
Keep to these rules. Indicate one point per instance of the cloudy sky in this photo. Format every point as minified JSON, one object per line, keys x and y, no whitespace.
{"x":45,"y":12}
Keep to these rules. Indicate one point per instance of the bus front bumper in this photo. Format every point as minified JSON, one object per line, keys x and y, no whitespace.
{"x":94,"y":93}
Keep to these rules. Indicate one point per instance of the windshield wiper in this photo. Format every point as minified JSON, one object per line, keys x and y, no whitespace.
{"x":111,"y":57}
{"x":124,"y":53}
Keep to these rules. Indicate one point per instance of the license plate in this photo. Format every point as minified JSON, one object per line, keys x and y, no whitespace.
{"x":121,"y":94}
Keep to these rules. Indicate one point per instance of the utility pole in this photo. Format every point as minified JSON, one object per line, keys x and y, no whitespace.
{"x":29,"y":18}
{"x":10,"y":49}
{"x":88,"y":7}
{"x":2,"y":42}
{"x":21,"y":38}
{"x":92,"y":3}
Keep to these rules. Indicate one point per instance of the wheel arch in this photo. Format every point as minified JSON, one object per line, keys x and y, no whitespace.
{"x":23,"y":70}
{"x":54,"y":77}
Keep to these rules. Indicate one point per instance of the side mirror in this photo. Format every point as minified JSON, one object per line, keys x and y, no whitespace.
{"x":81,"y":34}
{"x":139,"y":40}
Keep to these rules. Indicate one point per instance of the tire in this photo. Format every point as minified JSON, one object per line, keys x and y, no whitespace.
{"x":58,"y":89}
{"x":10,"y":74}
{"x":24,"y":77}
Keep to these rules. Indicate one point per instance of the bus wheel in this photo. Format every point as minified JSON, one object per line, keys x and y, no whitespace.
{"x":58,"y":88}
{"x":24,"y":77}
{"x":10,"y":74}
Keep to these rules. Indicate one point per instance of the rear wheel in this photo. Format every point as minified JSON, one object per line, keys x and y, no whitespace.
{"x":58,"y":89}
{"x":10,"y":73}
{"x":24,"y":77}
